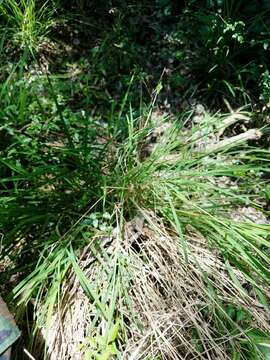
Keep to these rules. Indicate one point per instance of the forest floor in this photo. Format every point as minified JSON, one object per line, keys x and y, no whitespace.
{"x":134,"y":183}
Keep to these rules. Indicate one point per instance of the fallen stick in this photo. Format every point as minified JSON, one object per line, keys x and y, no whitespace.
{"x":252,"y":134}
{"x":230,"y":120}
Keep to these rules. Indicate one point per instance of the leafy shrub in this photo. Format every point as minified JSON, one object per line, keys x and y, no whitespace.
{"x":265,"y":87}
{"x":229,"y":48}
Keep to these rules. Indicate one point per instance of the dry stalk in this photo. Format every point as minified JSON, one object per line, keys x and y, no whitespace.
{"x":252,"y":134}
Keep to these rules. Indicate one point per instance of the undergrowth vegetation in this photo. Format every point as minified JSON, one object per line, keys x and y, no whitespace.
{"x":134,"y":213}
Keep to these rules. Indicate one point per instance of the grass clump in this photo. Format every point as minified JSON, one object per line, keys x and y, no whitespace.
{"x":26,"y":23}
{"x":168,"y":272}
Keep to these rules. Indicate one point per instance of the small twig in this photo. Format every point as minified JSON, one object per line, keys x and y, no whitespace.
{"x":28,"y":354}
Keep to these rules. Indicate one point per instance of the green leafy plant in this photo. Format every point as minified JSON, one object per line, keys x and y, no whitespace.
{"x":226,"y":58}
{"x":265,"y":87}
{"x":101,"y":347}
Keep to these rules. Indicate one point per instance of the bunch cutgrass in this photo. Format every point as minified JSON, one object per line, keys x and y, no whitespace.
{"x":170,"y":274}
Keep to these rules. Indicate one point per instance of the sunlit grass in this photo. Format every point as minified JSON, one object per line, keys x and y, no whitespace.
{"x":122,"y":246}
{"x":191,"y":202}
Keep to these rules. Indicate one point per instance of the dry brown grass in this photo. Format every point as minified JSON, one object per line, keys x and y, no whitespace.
{"x":168,"y":302}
